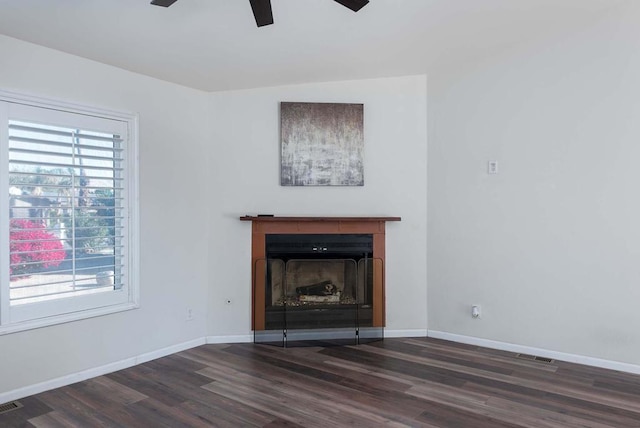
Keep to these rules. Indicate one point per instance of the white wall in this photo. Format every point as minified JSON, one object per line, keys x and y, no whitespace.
{"x":244,"y":159}
{"x":173,"y":226}
{"x":550,"y":246}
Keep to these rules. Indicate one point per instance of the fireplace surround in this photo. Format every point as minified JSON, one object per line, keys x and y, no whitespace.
{"x":318,"y":278}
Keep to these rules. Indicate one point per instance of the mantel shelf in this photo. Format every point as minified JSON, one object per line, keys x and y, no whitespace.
{"x":315,"y":219}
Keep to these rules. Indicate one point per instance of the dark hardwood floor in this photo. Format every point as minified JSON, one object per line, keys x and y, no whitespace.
{"x":397,"y":382}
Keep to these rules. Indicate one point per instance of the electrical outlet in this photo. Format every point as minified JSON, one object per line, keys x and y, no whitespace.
{"x":189,"y":314}
{"x":475,"y":311}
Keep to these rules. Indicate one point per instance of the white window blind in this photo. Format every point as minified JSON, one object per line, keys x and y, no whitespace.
{"x":66,"y":226}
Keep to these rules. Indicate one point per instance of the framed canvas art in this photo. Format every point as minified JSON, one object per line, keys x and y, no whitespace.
{"x":322,"y":144}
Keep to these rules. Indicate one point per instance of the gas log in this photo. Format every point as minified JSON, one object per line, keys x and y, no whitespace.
{"x":324,"y":288}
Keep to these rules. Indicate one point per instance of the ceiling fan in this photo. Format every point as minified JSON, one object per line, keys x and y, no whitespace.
{"x":262,"y":8}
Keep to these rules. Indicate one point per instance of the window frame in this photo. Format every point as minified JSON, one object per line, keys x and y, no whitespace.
{"x":99,"y":307}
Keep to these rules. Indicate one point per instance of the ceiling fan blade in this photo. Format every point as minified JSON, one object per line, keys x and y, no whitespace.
{"x":354,"y":5}
{"x":262,"y":12}
{"x":163,"y":3}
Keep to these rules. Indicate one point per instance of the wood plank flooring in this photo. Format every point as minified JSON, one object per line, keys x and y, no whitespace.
{"x":415,"y":382}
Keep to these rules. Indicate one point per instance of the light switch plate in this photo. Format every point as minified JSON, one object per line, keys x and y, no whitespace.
{"x":492,"y":167}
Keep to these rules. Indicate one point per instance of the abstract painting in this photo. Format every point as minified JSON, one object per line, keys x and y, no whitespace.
{"x":322,"y":144}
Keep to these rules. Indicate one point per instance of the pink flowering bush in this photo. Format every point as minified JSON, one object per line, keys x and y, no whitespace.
{"x":42,"y":247}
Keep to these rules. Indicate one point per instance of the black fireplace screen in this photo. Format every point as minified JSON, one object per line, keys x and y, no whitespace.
{"x":318,"y":288}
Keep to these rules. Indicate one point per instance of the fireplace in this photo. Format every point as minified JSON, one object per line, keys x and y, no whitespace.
{"x":318,"y":279}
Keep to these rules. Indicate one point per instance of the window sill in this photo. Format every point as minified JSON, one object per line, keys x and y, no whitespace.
{"x":65,"y":318}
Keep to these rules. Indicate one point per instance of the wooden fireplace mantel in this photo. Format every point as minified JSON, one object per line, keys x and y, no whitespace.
{"x":270,"y":218}
{"x":274,"y":224}
{"x":263,"y":225}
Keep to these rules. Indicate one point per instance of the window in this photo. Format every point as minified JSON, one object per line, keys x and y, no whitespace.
{"x":68,"y":183}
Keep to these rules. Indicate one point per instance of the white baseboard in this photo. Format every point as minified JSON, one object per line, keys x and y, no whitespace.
{"x":58,"y":382}
{"x":240,"y":338}
{"x":555,"y":355}
{"x":416,"y":332}
{"x":248,"y":338}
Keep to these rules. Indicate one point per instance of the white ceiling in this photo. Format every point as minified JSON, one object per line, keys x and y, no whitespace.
{"x":215,"y":44}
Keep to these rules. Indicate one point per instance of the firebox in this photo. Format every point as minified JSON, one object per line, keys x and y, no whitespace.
{"x":318,"y":287}
{"x":317,"y":279}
